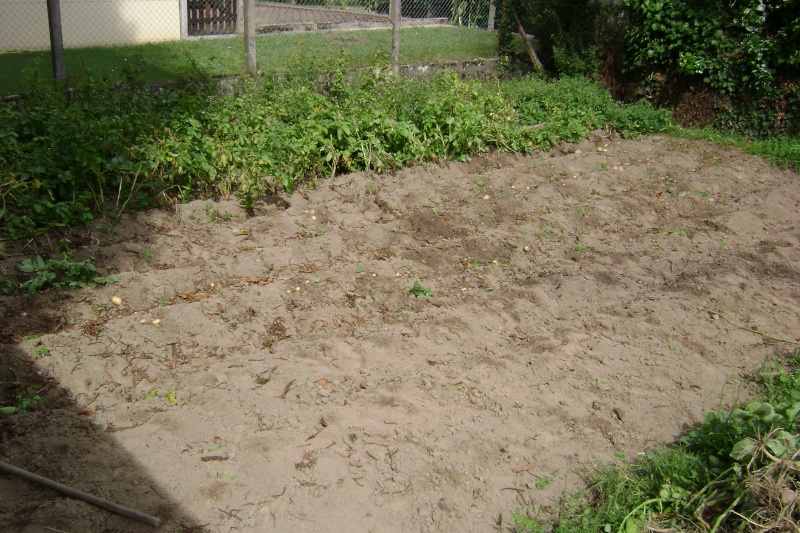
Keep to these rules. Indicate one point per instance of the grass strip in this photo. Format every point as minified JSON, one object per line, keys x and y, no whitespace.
{"x":224,"y":56}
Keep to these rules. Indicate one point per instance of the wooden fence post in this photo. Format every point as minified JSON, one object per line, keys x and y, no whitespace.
{"x":250,"y":35}
{"x":492,"y":14}
{"x":395,"y":8}
{"x":239,"y":17}
{"x":56,"y":41}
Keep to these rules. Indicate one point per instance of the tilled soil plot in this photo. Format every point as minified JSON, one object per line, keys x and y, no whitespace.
{"x":281,"y":372}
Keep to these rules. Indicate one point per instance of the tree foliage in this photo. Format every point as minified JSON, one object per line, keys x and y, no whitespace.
{"x":745,"y":50}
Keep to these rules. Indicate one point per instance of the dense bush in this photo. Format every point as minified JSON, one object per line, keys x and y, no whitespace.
{"x":746,"y":51}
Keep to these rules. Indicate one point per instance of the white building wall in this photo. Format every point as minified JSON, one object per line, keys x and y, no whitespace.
{"x":24,"y":26}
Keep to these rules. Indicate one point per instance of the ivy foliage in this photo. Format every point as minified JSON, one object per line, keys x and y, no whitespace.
{"x":745,"y":50}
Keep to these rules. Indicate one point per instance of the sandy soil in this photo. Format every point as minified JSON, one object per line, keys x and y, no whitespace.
{"x":275,"y":373}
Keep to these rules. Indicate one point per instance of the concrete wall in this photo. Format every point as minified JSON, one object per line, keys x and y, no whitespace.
{"x":23,"y":23}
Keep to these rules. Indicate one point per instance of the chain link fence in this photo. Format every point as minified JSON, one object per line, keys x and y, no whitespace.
{"x":24,"y":23}
{"x":289,"y":15}
{"x":96,"y":32}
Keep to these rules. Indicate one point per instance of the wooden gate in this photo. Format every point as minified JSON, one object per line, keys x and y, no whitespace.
{"x":211,"y":17}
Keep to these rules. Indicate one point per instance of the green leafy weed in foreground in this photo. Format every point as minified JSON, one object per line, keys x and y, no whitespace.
{"x":57,"y":273}
{"x":192,"y":140}
{"x":418,"y":290}
{"x":718,"y":477}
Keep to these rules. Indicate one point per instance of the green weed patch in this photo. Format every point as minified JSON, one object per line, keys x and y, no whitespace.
{"x":108,"y":148}
{"x":63,"y":272}
{"x":737,"y":469}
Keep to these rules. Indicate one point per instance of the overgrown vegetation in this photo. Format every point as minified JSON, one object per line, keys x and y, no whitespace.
{"x":738,"y":470}
{"x":782,"y":151}
{"x":745,"y":52}
{"x":64,"y":158}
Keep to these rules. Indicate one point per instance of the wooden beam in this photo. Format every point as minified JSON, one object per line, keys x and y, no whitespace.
{"x":526,"y":43}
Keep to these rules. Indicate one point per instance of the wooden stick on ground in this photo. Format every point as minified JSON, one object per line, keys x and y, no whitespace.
{"x":80,"y":495}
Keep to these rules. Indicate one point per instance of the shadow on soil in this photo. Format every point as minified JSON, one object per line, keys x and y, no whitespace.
{"x":54,"y":436}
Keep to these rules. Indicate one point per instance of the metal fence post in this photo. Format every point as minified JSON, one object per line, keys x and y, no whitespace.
{"x":250,"y":35}
{"x":56,"y":40}
{"x":184,"y":14}
{"x":395,"y":8}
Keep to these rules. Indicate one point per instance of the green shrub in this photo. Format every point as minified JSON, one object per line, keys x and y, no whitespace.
{"x":639,"y":118}
{"x":565,"y":34}
{"x":747,"y":51}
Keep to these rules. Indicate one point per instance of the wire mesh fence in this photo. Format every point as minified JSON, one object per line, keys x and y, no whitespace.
{"x":475,"y":13}
{"x":24,"y":23}
{"x":101,"y":35}
{"x":374,"y":13}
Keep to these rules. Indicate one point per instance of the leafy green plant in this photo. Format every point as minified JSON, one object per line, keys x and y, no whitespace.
{"x":25,"y":397}
{"x":714,"y":479}
{"x":21,"y":405}
{"x":639,"y":119}
{"x":418,"y":290}
{"x":41,"y":351}
{"x":6,"y":285}
{"x":189,"y":141}
{"x":64,"y":272}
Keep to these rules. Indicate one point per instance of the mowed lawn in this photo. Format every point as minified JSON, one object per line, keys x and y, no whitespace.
{"x":224,"y":56}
